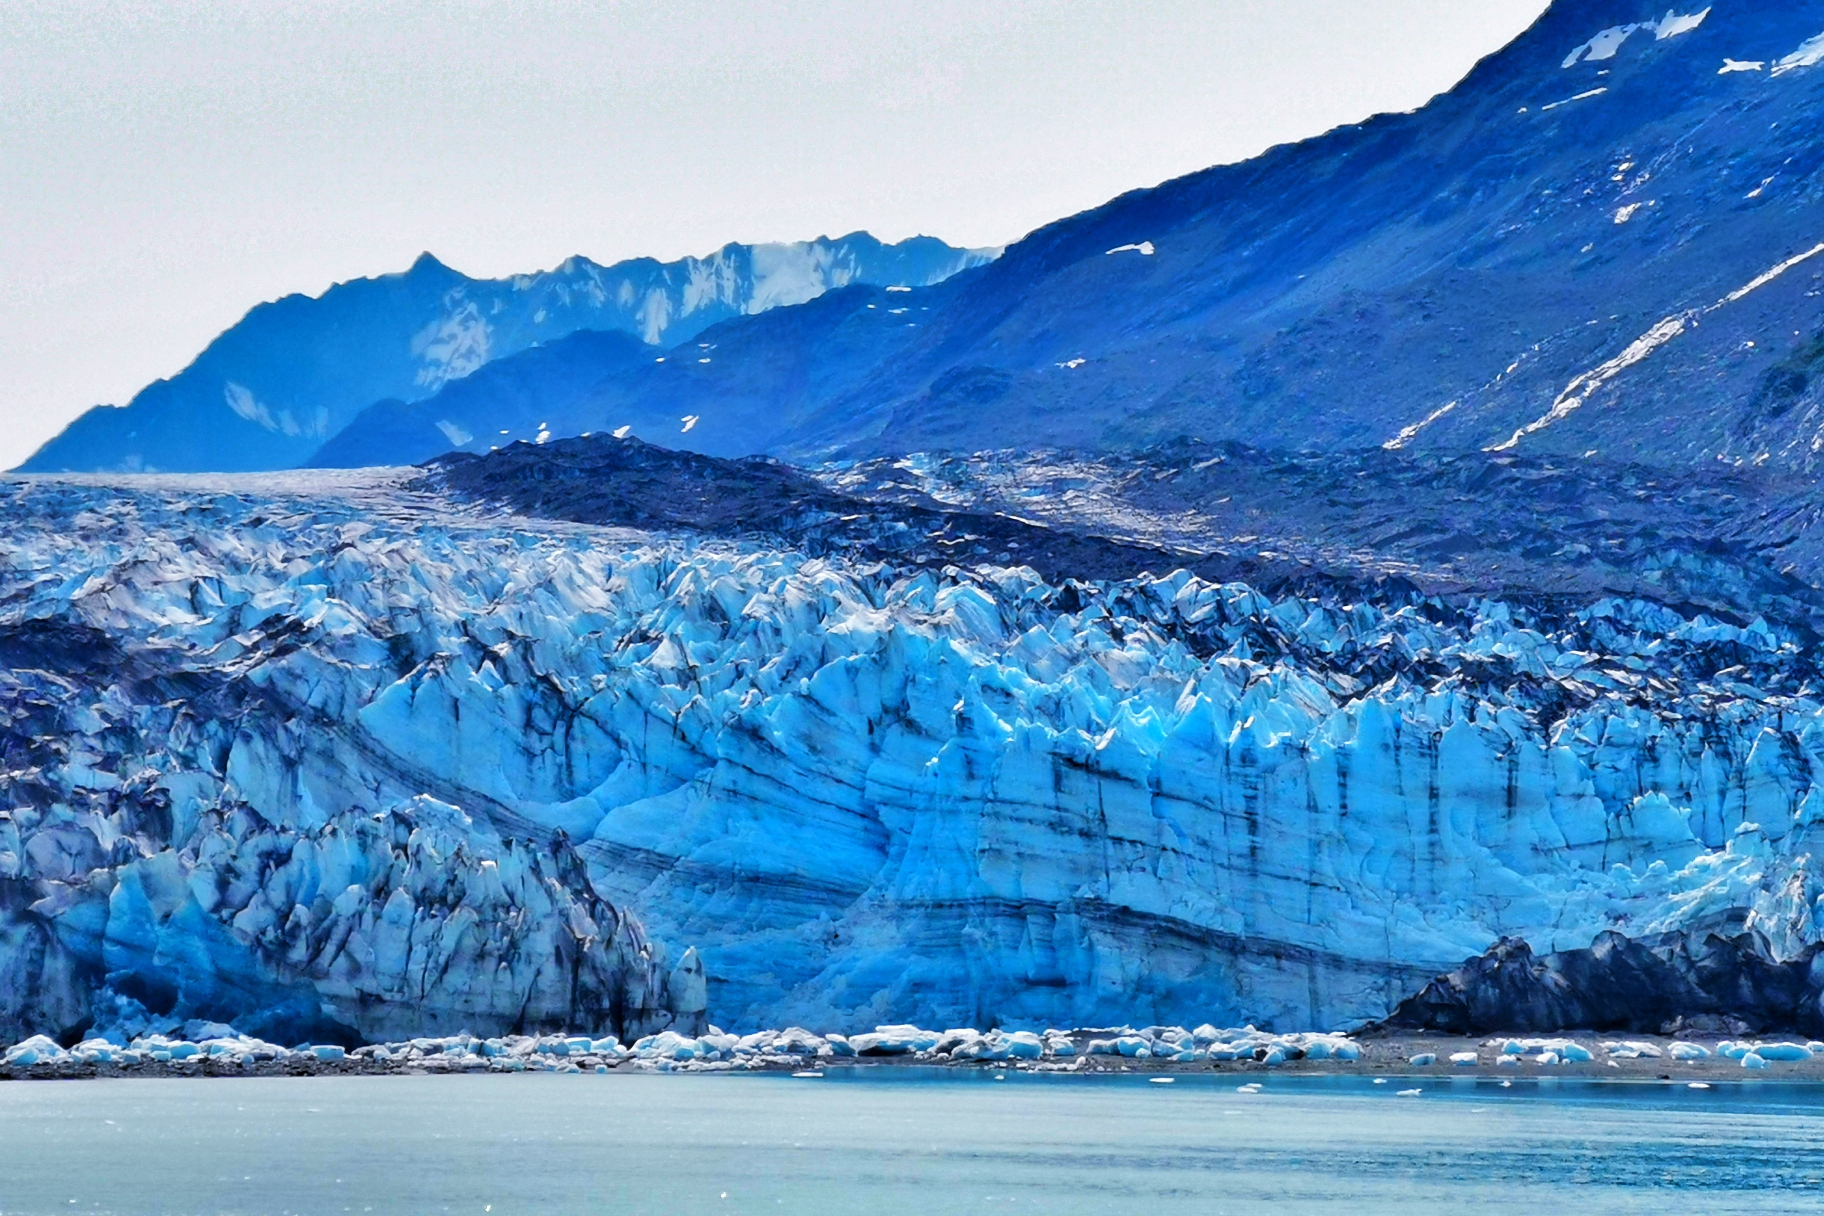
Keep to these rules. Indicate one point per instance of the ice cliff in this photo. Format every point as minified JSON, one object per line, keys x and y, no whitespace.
{"x":338,"y":746}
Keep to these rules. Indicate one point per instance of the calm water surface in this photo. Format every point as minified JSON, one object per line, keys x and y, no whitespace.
{"x":882,"y":1141}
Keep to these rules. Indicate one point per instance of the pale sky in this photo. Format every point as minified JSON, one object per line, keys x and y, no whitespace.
{"x":165,"y":166}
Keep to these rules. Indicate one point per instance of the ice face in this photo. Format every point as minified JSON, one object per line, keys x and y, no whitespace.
{"x":863,"y":795}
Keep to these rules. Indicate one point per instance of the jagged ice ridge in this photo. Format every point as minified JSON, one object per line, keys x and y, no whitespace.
{"x":861,"y":795}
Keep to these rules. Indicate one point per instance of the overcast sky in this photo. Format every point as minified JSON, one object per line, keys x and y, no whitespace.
{"x":165,"y":166}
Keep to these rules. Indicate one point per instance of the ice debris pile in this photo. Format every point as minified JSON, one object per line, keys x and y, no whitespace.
{"x":964,"y":796}
{"x":713,"y":1050}
{"x":223,"y":1047}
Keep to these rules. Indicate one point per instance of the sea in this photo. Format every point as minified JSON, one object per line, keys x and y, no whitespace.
{"x":888,"y":1140}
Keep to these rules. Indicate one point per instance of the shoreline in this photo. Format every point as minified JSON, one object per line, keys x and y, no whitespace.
{"x":1402,"y":1057}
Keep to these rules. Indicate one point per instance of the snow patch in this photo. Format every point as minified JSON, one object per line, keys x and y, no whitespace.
{"x":451,"y":348}
{"x":1671,"y":25}
{"x":1624,"y":214}
{"x":1412,"y":432}
{"x":1580,"y":97}
{"x":1144,"y":249}
{"x":1809,"y":54}
{"x":1741,"y":65}
{"x":454,"y":433}
{"x":689,"y":421}
{"x":1606,"y":44}
{"x":1580,"y":390}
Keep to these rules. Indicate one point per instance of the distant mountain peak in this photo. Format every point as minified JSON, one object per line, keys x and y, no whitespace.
{"x":267,"y":392}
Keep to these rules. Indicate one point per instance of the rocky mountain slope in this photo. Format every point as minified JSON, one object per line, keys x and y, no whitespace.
{"x":1604,"y":241}
{"x":270,"y":391}
{"x":1601,"y":241}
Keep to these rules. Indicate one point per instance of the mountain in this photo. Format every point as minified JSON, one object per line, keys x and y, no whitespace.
{"x":732,"y":389}
{"x":523,"y":391}
{"x":272,"y":389}
{"x":1604,"y":239}
{"x":1603,"y":242}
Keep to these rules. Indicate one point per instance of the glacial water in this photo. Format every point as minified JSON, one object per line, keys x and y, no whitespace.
{"x":884,"y":1141}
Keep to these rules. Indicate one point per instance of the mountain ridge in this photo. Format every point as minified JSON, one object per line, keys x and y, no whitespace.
{"x":1598,"y":244}
{"x":271,"y":389}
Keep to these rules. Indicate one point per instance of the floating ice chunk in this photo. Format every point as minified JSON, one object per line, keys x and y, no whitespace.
{"x":36,"y":1050}
{"x":1754,"y":1061}
{"x":1783,"y":1052}
{"x":1073,"y":364}
{"x":1689,"y":1051}
{"x":1160,"y":1080}
{"x":1697,"y":1085}
{"x":668,"y":1045}
{"x":1144,"y":249}
{"x":1410,"y":1093}
{"x":1463,"y":1059}
{"x":1252,"y":1087}
{"x":1425,"y":1059}
{"x":808,"y":1073}
{"x":899,"y":289}
{"x":893,"y":1041}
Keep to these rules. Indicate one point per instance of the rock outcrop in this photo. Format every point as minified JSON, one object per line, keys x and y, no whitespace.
{"x":1705,"y":979}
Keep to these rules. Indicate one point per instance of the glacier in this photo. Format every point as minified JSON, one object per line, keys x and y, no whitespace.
{"x":347,"y":754}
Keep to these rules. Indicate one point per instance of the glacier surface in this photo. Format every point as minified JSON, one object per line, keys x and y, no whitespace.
{"x":334,"y":747}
